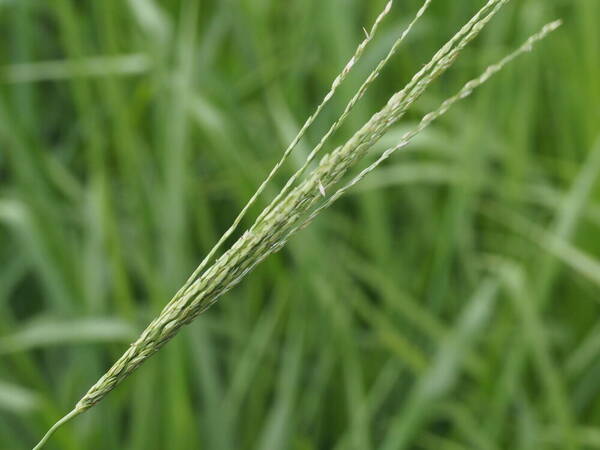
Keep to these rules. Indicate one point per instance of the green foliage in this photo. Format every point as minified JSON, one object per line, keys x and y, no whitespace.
{"x":450,"y":301}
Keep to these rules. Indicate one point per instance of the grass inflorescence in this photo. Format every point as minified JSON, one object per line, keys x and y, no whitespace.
{"x":304,"y":196}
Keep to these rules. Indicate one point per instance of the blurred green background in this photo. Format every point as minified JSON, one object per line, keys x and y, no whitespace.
{"x":450,"y":301}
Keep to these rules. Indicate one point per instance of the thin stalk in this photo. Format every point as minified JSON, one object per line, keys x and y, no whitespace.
{"x":56,"y":426}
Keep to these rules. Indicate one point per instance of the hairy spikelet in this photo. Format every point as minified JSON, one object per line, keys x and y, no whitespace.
{"x":299,"y":202}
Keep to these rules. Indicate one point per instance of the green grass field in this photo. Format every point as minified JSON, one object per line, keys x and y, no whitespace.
{"x":449,"y":301}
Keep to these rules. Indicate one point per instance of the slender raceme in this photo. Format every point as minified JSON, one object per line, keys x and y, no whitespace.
{"x":429,"y":118}
{"x":302,"y":199}
{"x":334,"y":86}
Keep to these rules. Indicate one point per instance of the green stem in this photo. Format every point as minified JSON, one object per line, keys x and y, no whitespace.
{"x":56,"y":426}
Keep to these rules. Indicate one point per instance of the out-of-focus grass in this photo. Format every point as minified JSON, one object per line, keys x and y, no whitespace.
{"x":450,"y":302}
